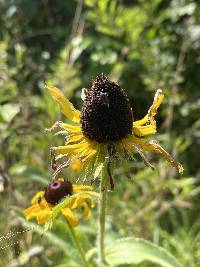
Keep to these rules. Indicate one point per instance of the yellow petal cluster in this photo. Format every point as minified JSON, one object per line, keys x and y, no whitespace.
{"x":87,"y":151}
{"x":42,"y":211}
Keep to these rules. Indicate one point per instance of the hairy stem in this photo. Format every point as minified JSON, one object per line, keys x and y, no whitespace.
{"x":77,"y":245}
{"x":102,"y":216}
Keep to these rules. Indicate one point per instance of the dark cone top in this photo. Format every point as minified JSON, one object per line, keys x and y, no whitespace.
{"x":56,"y":191}
{"x":106,"y":115}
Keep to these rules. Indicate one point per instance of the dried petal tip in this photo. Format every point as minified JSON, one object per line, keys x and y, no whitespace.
{"x":106,"y":115}
{"x":56,"y":191}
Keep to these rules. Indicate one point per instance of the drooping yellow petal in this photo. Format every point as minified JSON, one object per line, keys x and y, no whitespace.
{"x":40,"y":211}
{"x":158,"y":149}
{"x":79,"y":187}
{"x":43,"y":216}
{"x":70,"y":216}
{"x":86,"y":210}
{"x":151,"y":146}
{"x":79,"y":200}
{"x":147,"y":125}
{"x":127,"y":143}
{"x":66,"y":106}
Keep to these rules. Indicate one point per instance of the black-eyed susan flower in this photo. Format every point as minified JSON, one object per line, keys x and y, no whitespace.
{"x":44,"y":202}
{"x":105,"y":126}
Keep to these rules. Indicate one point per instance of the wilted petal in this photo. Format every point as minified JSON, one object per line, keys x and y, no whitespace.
{"x":147,"y":125}
{"x":144,"y":145}
{"x":86,"y":210}
{"x":151,"y":146}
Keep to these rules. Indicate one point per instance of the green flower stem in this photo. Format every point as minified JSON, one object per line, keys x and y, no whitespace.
{"x":102,"y":216}
{"x":76,"y":243}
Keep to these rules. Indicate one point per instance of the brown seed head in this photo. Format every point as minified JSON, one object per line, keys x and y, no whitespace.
{"x":106,"y":115}
{"x":56,"y":191}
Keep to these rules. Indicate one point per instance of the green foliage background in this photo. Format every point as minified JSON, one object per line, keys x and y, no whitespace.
{"x":143,"y":45}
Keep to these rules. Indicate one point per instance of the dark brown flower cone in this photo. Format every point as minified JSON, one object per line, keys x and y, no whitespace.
{"x":56,"y":191}
{"x":106,"y":115}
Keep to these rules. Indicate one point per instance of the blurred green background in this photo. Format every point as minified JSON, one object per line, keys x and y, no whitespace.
{"x":143,"y":45}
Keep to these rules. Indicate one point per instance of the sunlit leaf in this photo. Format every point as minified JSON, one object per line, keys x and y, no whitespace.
{"x":134,"y":251}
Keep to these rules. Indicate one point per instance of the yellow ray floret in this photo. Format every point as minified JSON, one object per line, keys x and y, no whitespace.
{"x":66,"y":106}
{"x":144,"y":130}
{"x":144,"y":145}
{"x":84,"y":149}
{"x":74,"y":138}
{"x":147,"y":125}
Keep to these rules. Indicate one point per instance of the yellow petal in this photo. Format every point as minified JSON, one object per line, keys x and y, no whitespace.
{"x":82,"y":149}
{"x":151,"y":146}
{"x":70,"y":216}
{"x":37,"y":196}
{"x":61,"y":179}
{"x":78,"y":187}
{"x":141,"y":122}
{"x":71,"y":128}
{"x":76,"y":165}
{"x":85,"y":151}
{"x":149,"y":118}
{"x":31,"y":212}
{"x":91,"y":154}
{"x":158,"y":149}
{"x":66,"y":107}
{"x":144,"y":130}
{"x":43,"y":216}
{"x":72,"y":149}
{"x":74,"y":138}
{"x":158,"y":99}
{"x":86,"y":210}
{"x":79,"y":200}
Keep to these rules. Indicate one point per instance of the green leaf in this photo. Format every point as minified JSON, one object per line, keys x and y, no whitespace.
{"x":135,"y":250}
